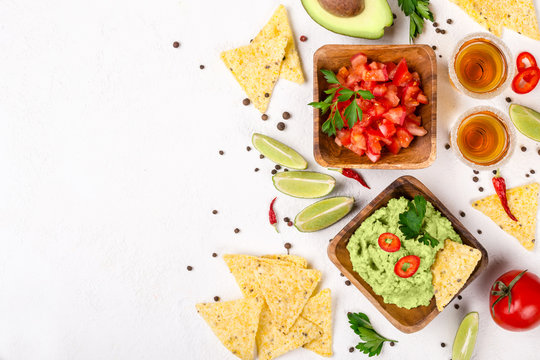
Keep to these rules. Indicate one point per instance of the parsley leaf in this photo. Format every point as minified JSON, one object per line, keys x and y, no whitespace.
{"x":417,"y":10}
{"x":330,"y":76}
{"x":373,"y":342}
{"x":411,"y":221}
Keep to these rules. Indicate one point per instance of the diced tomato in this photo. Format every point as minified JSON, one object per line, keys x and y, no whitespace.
{"x":342,"y":74}
{"x":387,"y":128}
{"x":402,"y":75}
{"x":404,"y":137}
{"x":377,"y":109}
{"x":410,"y":109}
{"x":359,"y":140}
{"x":391,"y":68}
{"x":409,"y":95}
{"x":414,"y":129}
{"x":391,"y":95}
{"x":421,"y":98}
{"x":384,"y":102}
{"x":367,"y":120}
{"x":395,"y":146}
{"x":365,"y":105}
{"x":379,"y":90}
{"x":368,"y":85}
{"x":416,"y":76}
{"x":376,"y":75}
{"x":414,"y":118}
{"x":373,"y":157}
{"x":358,"y":60}
{"x":396,"y":115}
{"x":355,"y":76}
{"x":377,"y":135}
{"x":356,"y":149}
{"x":343,"y":136}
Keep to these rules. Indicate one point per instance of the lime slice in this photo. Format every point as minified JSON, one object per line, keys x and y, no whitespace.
{"x":278,"y":152}
{"x":465,"y":337}
{"x":526,"y":120}
{"x":304,"y":184}
{"x":323,"y":213}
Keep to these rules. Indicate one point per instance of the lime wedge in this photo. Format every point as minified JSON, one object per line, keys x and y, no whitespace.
{"x":465,"y":337}
{"x":323,"y":213}
{"x":526,"y":120}
{"x":278,"y":152}
{"x":304,"y":184}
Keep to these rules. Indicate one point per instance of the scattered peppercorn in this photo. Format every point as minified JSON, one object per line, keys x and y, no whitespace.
{"x":277,"y":167}
{"x":214,"y":212}
{"x":303,"y":38}
{"x":246,"y":101}
{"x":437,"y":30}
{"x":532,"y":171}
{"x":538,"y":152}
{"x":256,"y":169}
{"x":459,"y":297}
{"x":348,"y":283}
{"x":236,"y":231}
{"x":392,"y":343}
{"x":290,"y":223}
{"x":189,"y":268}
{"x":214,"y":255}
{"x":476,"y":172}
{"x":462,"y":213}
{"x":456,"y":306}
{"x":264,"y":117}
{"x":435,"y":24}
{"x":494,"y":172}
{"x":523,"y":148}
{"x":176,"y":44}
{"x":527,"y":175}
{"x":481,"y":189}
{"x":434,"y":47}
{"x":285,"y":169}
{"x":443,"y":31}
{"x":508,"y":100}
{"x":449,"y":21}
{"x":266,"y":95}
{"x":351,"y":349}
{"x":447,"y":146}
{"x":443,"y":345}
{"x":216,"y":298}
{"x":479,"y":232}
{"x":201,"y":67}
{"x":281,"y":126}
{"x":287,"y":246}
{"x":248,"y":148}
{"x":221,"y":152}
{"x":440,"y":56}
{"x":286,"y":115}
{"x":286,"y":219}
{"x":274,"y":172}
{"x":261,"y":156}
{"x":340,"y":274}
{"x":475,"y":178}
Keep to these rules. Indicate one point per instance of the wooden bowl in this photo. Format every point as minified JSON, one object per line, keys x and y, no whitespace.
{"x":422,"y":151}
{"x":406,"y":320}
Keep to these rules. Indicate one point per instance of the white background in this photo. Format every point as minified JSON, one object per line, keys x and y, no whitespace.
{"x":109,"y":141}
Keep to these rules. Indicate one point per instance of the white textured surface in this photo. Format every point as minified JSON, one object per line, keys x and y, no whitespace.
{"x":109,"y":142}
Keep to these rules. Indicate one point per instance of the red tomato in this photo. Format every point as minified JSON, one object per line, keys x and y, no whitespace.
{"x":373,"y":157}
{"x":389,"y":242}
{"x":415,"y":129}
{"x":407,"y":266}
{"x":379,"y":90}
{"x":358,"y":138}
{"x":414,"y":118}
{"x":358,"y":60}
{"x":402,"y":75}
{"x":514,"y":300}
{"x":395,"y":146}
{"x":404,"y":137}
{"x":522,"y":65}
{"x":391,"y":95}
{"x":342,"y":75}
{"x":387,"y":128}
{"x":422,"y":98}
{"x":343,"y":136}
{"x":396,"y":115}
{"x":391,"y":68}
{"x":526,"y":80}
{"x":374,"y":146}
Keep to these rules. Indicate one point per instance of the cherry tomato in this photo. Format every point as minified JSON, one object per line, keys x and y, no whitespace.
{"x":514,"y":300}
{"x":526,"y":80}
{"x":521,"y":65}
{"x":389,"y":242}
{"x":407,"y":266}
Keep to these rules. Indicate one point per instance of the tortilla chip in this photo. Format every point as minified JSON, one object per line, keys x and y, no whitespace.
{"x":286,"y":290}
{"x":291,"y":69}
{"x":517,"y":15}
{"x":271,"y":342}
{"x":295,"y":259}
{"x":235,"y":324}
{"x":318,"y":310}
{"x":523,"y":202}
{"x":256,"y":68}
{"x":452,"y":267}
{"x":243,"y":267}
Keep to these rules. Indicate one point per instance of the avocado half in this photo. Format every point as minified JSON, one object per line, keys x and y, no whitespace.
{"x":368,"y":24}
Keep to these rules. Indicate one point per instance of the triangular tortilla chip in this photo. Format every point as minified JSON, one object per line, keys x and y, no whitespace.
{"x":517,"y":15}
{"x":243,"y":269}
{"x":256,"y":68}
{"x":278,"y":25}
{"x":235,"y":323}
{"x":295,"y":259}
{"x":523,"y":202}
{"x":452,"y":267}
{"x":318,"y":310}
{"x":271,"y":342}
{"x":286,"y":290}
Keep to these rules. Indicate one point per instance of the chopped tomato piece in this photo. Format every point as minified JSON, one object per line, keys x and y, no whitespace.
{"x":373,"y":157}
{"x":358,"y":60}
{"x":416,"y":76}
{"x":395,"y":146}
{"x":368,"y":85}
{"x":421,"y":98}
{"x":392,"y":95}
{"x":379,"y":90}
{"x":377,"y":109}
{"x":415,"y":129}
{"x":402,"y":75}
{"x":356,"y":149}
{"x":343,"y":136}
{"x":342,"y":74}
{"x":387,"y":128}
{"x":414,"y":118}
{"x":396,"y":115}
{"x":404,"y":137}
{"x":376,"y":75}
{"x":407,"y":266}
{"x":391,"y":68}
{"x":373,"y":144}
{"x":358,"y":138}
{"x":389,"y":242}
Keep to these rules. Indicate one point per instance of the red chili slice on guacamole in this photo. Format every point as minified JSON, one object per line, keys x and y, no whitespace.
{"x":389,"y":242}
{"x":407,"y":266}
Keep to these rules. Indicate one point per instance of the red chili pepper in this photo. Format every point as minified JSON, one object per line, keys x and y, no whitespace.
{"x":389,"y":242}
{"x":407,"y":266}
{"x":526,"y":80}
{"x":521,"y":65}
{"x":500,"y":188}
{"x":350,"y":173}
{"x":272,"y":215}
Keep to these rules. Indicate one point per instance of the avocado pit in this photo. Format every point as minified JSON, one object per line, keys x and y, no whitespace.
{"x":343,"y":8}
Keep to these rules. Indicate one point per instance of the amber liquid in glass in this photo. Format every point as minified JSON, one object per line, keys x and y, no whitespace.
{"x":482,"y":138}
{"x":480,"y":66}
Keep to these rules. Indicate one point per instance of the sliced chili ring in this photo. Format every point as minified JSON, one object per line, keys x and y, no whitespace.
{"x":526,"y":80}
{"x":407,"y":266}
{"x":389,"y":242}
{"x":521,"y":65}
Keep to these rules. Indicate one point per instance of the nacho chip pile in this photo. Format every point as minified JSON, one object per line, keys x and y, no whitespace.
{"x":517,"y":15}
{"x":523,"y":202}
{"x":277,"y":314}
{"x":272,"y":54}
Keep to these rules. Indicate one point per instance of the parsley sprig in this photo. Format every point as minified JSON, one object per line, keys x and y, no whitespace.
{"x":411,"y":221}
{"x":373,"y":342}
{"x":417,"y":10}
{"x":352,"y":113}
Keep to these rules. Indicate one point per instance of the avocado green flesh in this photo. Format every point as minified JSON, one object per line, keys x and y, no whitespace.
{"x":369,"y":24}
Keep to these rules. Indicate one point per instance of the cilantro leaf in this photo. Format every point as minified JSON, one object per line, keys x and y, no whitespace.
{"x":345,"y":94}
{"x":331,"y":90}
{"x":429,"y":240}
{"x":417,"y":11}
{"x":373,"y":342}
{"x":352,"y":113}
{"x":338,"y":120}
{"x":411,"y":220}
{"x":330,"y":76}
{"x":328,"y":127}
{"x":365,"y":94}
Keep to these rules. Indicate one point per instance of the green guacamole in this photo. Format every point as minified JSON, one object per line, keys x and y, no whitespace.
{"x":376,"y":266}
